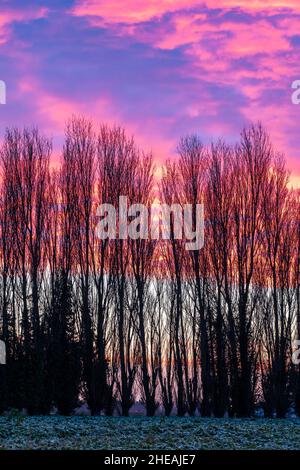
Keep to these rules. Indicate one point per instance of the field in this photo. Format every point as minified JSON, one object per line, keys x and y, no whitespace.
{"x":83,"y":432}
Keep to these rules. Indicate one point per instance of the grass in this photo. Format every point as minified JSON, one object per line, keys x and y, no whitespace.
{"x":88,"y":433}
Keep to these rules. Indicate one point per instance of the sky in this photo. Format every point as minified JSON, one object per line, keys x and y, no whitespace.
{"x":160,"y":68}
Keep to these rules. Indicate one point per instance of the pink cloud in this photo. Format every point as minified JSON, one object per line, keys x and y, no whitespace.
{"x":255,"y":5}
{"x":131,"y":11}
{"x":136,"y":11}
{"x":236,"y":39}
{"x":249,"y":54}
{"x":52,"y":111}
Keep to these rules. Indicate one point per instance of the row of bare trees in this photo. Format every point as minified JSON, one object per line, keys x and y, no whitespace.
{"x":116,"y":321}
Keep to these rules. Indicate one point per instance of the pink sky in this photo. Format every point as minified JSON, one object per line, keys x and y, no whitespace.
{"x":160,"y":68}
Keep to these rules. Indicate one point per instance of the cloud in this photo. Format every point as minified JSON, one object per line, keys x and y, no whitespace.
{"x":136,"y":11}
{"x":161,"y":69}
{"x":10,"y":16}
{"x":246,"y":51}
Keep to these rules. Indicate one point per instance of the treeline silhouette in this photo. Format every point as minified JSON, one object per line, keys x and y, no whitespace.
{"x":112,"y":322}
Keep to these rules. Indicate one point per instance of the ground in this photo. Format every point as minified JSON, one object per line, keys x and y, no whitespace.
{"x":83,"y":432}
